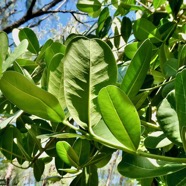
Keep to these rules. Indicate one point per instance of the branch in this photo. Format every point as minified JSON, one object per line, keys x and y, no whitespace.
{"x":7,"y":5}
{"x":31,"y":8}
{"x":32,"y":15}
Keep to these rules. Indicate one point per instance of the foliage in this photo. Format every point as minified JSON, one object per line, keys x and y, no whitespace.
{"x":119,"y":87}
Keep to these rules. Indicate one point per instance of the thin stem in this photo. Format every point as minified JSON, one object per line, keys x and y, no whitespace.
{"x":160,"y":157}
{"x":151,"y":125}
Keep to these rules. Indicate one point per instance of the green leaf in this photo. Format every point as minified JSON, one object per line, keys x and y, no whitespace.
{"x":138,"y":167}
{"x":92,"y":7}
{"x":3,"y":48}
{"x":101,"y":21}
{"x":30,"y":98}
{"x":52,"y":50}
{"x":176,"y":179}
{"x":67,"y":153}
{"x":131,"y":48}
{"x":180,"y":94}
{"x":91,"y":175}
{"x":182,"y":56}
{"x":120,"y":116}
{"x":116,"y":37}
{"x":156,"y":140}
{"x":39,"y":167}
{"x":126,"y":28}
{"x":82,"y":148}
{"x":137,"y":69}
{"x":30,"y":36}
{"x":144,"y":29}
{"x":168,"y":119}
{"x":89,"y":65}
{"x":175,"y":6}
{"x":55,"y":79}
{"x":171,"y":67}
{"x":158,"y":3}
{"x":19,"y":50}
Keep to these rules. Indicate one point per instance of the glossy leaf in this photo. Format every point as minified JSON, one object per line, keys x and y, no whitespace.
{"x":171,"y":67}
{"x":67,"y":153}
{"x":144,"y":29}
{"x":89,"y":65}
{"x":92,"y":7}
{"x":120,"y":116}
{"x":139,"y":167}
{"x":17,"y":89}
{"x":180,"y":93}
{"x":30,"y":36}
{"x":168,"y":118}
{"x":156,"y":140}
{"x":19,"y":50}
{"x":126,"y":28}
{"x":137,"y":69}
{"x":82,"y":148}
{"x":39,"y":167}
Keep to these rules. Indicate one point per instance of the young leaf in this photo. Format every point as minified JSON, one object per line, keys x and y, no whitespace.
{"x":30,"y":36}
{"x":19,"y":50}
{"x":126,"y":28}
{"x":39,"y":167}
{"x":89,"y":65}
{"x":168,"y":119}
{"x":30,"y":98}
{"x":67,"y":153}
{"x":137,"y":69}
{"x":138,"y":167}
{"x":120,"y":116}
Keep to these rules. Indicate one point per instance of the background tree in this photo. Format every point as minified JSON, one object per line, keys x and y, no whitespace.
{"x":116,"y":88}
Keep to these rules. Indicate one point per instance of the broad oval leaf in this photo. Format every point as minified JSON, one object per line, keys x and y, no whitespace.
{"x":120,"y":116}
{"x":67,"y":153}
{"x":137,"y":69}
{"x":126,"y":28}
{"x":139,"y":167}
{"x":89,"y":65}
{"x":30,"y":98}
{"x":30,"y":36}
{"x":168,"y":118}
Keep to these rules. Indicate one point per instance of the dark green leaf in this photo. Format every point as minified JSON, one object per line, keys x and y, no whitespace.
{"x":175,"y":6}
{"x":137,"y":70}
{"x":39,"y":167}
{"x":120,"y":116}
{"x":89,"y":65}
{"x":116,"y":37}
{"x":67,"y":153}
{"x":126,"y":28}
{"x":171,"y":67}
{"x":17,"y":89}
{"x":30,"y":36}
{"x":156,"y":140}
{"x":133,"y":166}
{"x":182,"y":56}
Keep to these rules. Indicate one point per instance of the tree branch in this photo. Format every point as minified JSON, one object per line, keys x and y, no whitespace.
{"x":31,"y":8}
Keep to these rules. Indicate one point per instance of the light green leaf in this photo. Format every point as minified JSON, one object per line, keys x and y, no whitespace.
{"x":168,"y":119}
{"x":39,"y":167}
{"x":156,"y":140}
{"x":55,"y":78}
{"x":3,"y":48}
{"x":89,"y":65}
{"x":138,"y":167}
{"x":67,"y":153}
{"x":158,"y":3}
{"x":19,"y":50}
{"x":30,"y":36}
{"x":144,"y":29}
{"x":180,"y":93}
{"x":137,"y":69}
{"x":120,"y":116}
{"x":92,"y":7}
{"x":30,"y":98}
{"x":131,"y":49}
